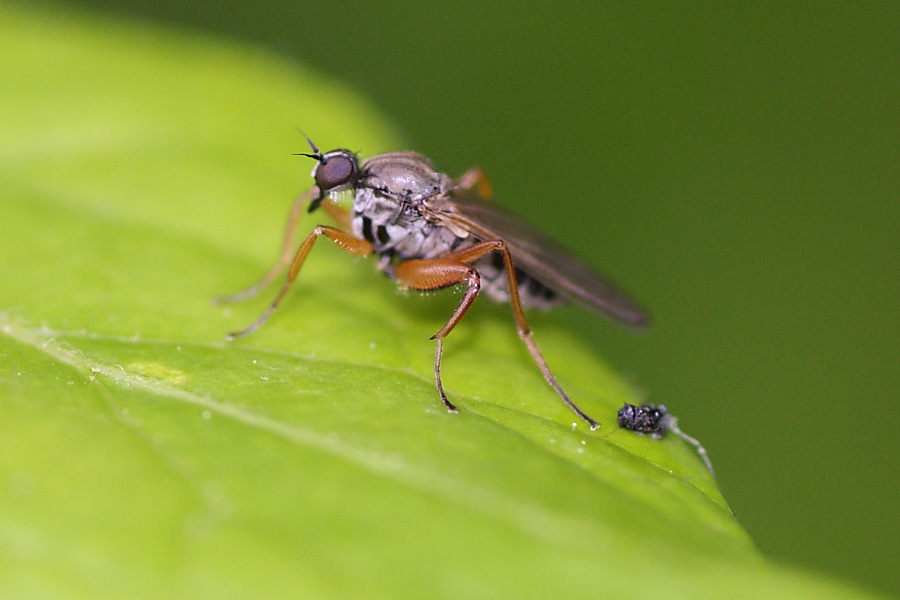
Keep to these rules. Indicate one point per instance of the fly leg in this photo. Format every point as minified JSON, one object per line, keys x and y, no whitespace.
{"x":339,"y":215}
{"x":455,"y":268}
{"x":433,"y":274}
{"x":478,"y":180}
{"x":346,"y":241}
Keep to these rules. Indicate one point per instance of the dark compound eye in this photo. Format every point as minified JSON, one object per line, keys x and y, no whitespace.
{"x":336,"y":169}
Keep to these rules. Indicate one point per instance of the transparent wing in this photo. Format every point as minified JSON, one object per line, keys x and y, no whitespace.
{"x":540,"y":257}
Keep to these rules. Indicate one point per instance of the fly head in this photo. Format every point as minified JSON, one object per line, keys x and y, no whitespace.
{"x":335,"y":171}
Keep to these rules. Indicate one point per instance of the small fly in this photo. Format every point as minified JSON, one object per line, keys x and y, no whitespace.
{"x":655,"y":421}
{"x":432,"y":231}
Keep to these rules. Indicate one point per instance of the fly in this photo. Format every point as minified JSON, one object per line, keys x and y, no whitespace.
{"x":432,"y":231}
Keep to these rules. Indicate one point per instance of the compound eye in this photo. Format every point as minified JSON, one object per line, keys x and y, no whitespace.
{"x":336,"y":169}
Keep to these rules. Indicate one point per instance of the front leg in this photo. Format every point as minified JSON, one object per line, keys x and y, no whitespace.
{"x":345,"y":240}
{"x":340,"y":216}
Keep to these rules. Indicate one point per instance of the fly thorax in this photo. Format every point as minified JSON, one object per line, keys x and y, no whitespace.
{"x":390,"y":225}
{"x":393,"y":208}
{"x":403,"y":176}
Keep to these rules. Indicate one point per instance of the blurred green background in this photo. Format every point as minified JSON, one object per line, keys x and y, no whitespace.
{"x":734,"y":165}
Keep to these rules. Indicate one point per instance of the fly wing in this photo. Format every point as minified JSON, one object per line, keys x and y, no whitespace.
{"x":541,"y":257}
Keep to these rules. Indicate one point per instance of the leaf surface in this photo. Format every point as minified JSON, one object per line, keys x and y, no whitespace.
{"x":145,"y":172}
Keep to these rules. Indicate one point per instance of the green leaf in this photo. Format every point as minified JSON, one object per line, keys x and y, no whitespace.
{"x":143,"y":173}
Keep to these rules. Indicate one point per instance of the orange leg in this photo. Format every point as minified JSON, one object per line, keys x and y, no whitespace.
{"x":434,"y":274}
{"x":347,"y":241}
{"x":339,"y":215}
{"x":478,"y":179}
{"x":453,"y":268}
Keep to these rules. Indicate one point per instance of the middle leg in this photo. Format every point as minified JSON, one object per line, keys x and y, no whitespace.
{"x":433,"y":274}
{"x":462,"y":257}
